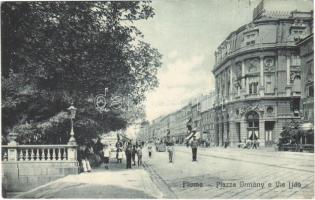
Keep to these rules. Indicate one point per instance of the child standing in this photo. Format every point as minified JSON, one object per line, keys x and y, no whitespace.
{"x":106,"y":152}
{"x":120,"y":155}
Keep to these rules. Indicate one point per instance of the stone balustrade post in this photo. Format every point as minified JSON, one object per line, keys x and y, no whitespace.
{"x":12,"y":153}
{"x":72,"y":153}
{"x":12,"y":147}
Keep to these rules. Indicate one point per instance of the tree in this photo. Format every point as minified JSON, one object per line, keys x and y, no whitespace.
{"x":291,"y":133}
{"x":54,"y":53}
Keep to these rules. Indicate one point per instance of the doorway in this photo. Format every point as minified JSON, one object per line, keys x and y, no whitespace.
{"x":269,"y":127}
{"x":253,"y":125}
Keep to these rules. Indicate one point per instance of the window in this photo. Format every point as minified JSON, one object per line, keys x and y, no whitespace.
{"x":306,"y":115}
{"x":296,"y":84}
{"x":250,"y":43}
{"x":295,"y":106}
{"x":268,"y":84}
{"x":311,"y":91}
{"x":253,"y":88}
{"x":269,"y":110}
{"x":310,"y":71}
{"x":250,"y":37}
{"x":253,"y":120}
{"x":295,"y":60}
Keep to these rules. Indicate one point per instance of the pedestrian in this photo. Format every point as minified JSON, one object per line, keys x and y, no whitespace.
{"x":106,"y":155}
{"x":169,"y":145}
{"x":150,"y":149}
{"x":133,"y":154}
{"x":194,"y":147}
{"x":120,"y":155}
{"x":83,"y":155}
{"x":118,"y":147}
{"x":139,"y":155}
{"x":207,"y":143}
{"x":254,"y":144}
{"x":128,"y":155}
{"x":226,"y":142}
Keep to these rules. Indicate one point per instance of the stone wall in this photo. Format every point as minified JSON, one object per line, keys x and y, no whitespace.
{"x":23,"y":176}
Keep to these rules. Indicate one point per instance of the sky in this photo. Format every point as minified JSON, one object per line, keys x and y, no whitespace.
{"x":187,"y":33}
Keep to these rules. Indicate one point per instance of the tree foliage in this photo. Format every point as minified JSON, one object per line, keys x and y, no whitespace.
{"x":54,"y":53}
{"x":291,"y":133}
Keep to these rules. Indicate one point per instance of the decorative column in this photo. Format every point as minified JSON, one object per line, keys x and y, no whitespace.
{"x":225,"y":133}
{"x":72,"y":153}
{"x":288,"y":70}
{"x":220,"y":133}
{"x":231,"y":93}
{"x":243,"y":78}
{"x":261,"y":132}
{"x":72,"y":149}
{"x":247,"y":86}
{"x":233,"y":133}
{"x":72,"y":110}
{"x":262,"y":84}
{"x":243,"y":130}
{"x":12,"y":147}
{"x":288,"y":88}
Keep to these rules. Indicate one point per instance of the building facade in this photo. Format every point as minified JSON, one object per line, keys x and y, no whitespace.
{"x":263,"y":82}
{"x":207,"y":122}
{"x":181,"y":117}
{"x":258,"y":76}
{"x":306,"y":47}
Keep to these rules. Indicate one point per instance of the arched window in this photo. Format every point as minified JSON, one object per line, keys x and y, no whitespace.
{"x":253,"y":120}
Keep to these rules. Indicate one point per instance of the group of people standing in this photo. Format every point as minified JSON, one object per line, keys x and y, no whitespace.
{"x":131,"y":151}
{"x":126,"y":149}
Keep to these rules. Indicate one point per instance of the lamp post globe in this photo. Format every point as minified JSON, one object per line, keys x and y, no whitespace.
{"x":72,"y":111}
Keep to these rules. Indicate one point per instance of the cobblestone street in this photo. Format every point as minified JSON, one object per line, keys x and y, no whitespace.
{"x":233,"y":173}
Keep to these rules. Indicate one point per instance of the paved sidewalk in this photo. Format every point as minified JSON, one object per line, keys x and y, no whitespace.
{"x":117,"y":182}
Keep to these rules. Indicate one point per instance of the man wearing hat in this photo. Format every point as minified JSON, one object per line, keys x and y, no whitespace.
{"x":194,"y":146}
{"x":169,"y":143}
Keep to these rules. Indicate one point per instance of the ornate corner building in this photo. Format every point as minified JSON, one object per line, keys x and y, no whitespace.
{"x":258,"y":76}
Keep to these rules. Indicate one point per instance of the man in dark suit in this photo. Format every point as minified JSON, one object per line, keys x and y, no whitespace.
{"x":194,"y":147}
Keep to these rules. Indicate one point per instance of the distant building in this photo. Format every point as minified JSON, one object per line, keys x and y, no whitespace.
{"x":179,"y":120}
{"x":207,"y":122}
{"x":258,"y":74}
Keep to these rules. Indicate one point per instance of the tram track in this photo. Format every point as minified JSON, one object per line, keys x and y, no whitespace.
{"x":249,"y":161}
{"x":163,"y":186}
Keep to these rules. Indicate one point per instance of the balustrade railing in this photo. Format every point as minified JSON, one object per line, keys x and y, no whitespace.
{"x":38,"y":153}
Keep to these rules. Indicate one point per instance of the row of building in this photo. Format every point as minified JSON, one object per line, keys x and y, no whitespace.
{"x":264,"y":81}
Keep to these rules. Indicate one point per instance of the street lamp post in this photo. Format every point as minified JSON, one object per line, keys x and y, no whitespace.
{"x":72,"y":110}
